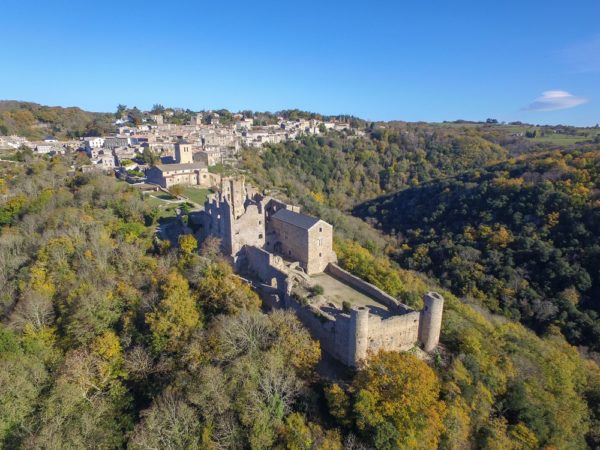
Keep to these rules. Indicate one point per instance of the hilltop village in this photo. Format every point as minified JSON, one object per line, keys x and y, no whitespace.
{"x":137,"y":143}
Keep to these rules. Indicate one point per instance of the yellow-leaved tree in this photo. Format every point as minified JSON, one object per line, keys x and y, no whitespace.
{"x":187,"y":244}
{"x":221,"y":291}
{"x":175,"y":317}
{"x":396,"y":402}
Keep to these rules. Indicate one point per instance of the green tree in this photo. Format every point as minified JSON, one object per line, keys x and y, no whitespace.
{"x":157,"y":108}
{"x":120,"y":111}
{"x":176,"y":190}
{"x":149,"y":156}
{"x":220,"y":291}
{"x":170,"y":423}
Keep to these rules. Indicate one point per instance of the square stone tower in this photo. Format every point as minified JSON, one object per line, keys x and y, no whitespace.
{"x":183,"y":152}
{"x":234,"y":191}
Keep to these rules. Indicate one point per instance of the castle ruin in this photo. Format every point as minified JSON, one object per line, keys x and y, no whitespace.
{"x":287,"y":254}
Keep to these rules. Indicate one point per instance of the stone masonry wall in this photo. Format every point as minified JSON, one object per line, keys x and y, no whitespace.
{"x":333,"y":335}
{"x":320,"y":247}
{"x":266,"y":266}
{"x":394,"y":333}
{"x":363,"y":286}
{"x":248,"y":229}
{"x":289,"y":240}
{"x":350,"y":337}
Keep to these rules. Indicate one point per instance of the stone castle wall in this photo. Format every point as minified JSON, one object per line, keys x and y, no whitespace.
{"x":400,"y":332}
{"x":350,"y":336}
{"x":362,"y":286}
{"x":265,"y":266}
{"x":248,"y":229}
{"x":334,"y":336}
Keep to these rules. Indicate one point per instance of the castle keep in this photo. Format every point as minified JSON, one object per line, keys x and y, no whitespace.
{"x":287,"y":254}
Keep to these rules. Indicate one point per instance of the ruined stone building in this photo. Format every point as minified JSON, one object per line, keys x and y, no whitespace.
{"x":241,"y":217}
{"x":287,"y":254}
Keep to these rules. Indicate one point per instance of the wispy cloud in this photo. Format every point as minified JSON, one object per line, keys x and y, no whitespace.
{"x":555,"y":100}
{"x":583,"y":56}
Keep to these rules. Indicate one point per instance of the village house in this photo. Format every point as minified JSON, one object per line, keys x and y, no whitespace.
{"x":44,"y":149}
{"x":106,"y":160}
{"x":209,"y":157}
{"x":90,"y":143}
{"x":114,"y":142}
{"x":123,"y":153}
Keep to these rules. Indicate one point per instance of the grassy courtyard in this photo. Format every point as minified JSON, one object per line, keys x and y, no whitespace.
{"x":196,"y":195}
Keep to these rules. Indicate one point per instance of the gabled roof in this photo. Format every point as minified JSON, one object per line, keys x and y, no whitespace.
{"x":183,"y":166}
{"x":296,"y":219}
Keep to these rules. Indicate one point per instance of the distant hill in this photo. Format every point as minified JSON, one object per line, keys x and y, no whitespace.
{"x":36,"y":121}
{"x":521,"y":236}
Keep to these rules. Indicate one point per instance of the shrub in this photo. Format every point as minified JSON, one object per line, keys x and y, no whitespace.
{"x":317,"y":289}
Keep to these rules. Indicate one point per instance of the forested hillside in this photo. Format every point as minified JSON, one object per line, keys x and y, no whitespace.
{"x":522,"y":237}
{"x":112,"y":339}
{"x":37,"y":121}
{"x":340,"y":171}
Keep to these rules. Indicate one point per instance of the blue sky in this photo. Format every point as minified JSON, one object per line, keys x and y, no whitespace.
{"x":529,"y":60}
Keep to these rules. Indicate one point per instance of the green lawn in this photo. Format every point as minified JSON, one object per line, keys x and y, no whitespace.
{"x":166,"y":209}
{"x":196,"y":195}
{"x":154,"y":201}
{"x":168,"y":212}
{"x":164,"y":196}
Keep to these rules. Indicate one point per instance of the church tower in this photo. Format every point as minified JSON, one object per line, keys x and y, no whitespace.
{"x":183,"y":152}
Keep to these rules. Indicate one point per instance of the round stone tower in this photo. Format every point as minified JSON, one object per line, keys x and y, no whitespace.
{"x":358,"y":334}
{"x":431,"y":320}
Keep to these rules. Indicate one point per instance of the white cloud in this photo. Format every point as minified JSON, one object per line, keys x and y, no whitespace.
{"x":555,"y":100}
